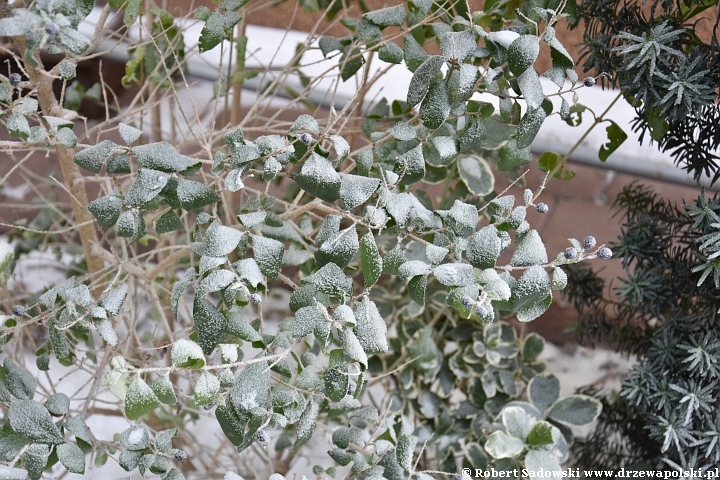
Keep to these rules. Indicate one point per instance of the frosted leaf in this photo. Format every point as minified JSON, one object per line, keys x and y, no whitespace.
{"x":271,"y":168}
{"x":164,"y":390}
{"x":391,"y":53}
{"x":72,"y":458}
{"x":330,"y":280}
{"x":370,"y":328}
{"x":344,"y":436}
{"x":249,"y":272}
{"x":56,"y":123}
{"x":376,"y":217}
{"x":233,"y":181}
{"x":147,"y":185}
{"x":522,"y":53}
{"x":435,"y":254}
{"x":307,"y":319}
{"x":414,"y":55}
{"x":422,"y":218}
{"x":356,"y":190}
{"x":32,"y":420}
{"x":341,"y":146}
{"x":410,"y":166}
{"x":370,"y":260}
{"x":26,"y":106}
{"x":319,"y":178}
{"x":131,"y":225}
{"x":221,"y":240}
{"x":306,"y":424}
{"x":207,"y":388}
{"x":20,"y":23}
{"x":464,"y":214}
{"x":495,"y":287}
{"x":66,"y":137}
{"x":530,"y":251}
{"x":20,"y":383}
{"x":328,"y":230}
{"x":243,"y":154}
{"x":343,"y":314}
{"x":58,"y":404}
{"x":504,"y":38}
{"x":476,"y":174}
{"x":229,"y":352}
{"x":207,"y":263}
{"x":232,"y":476}
{"x":105,"y":329}
{"x":559,"y":279}
{"x":106,"y":210}
{"x":18,"y":125}
{"x":484,"y":247}
{"x":339,"y":249}
{"x":186,"y":353}
{"x":527,"y":196}
{"x":532,"y":295}
{"x":446,"y":147}
{"x":352,"y":347}
{"x":209,"y":324}
{"x":251,"y":388}
{"x":162,"y":156}
{"x":402,"y":131}
{"x":306,"y":122}
{"x":296,"y":255}
{"x":389,"y":16}
{"x":464,"y":82}
{"x":179,"y":288}
{"x":135,"y":438}
{"x":73,"y":40}
{"x":268,"y":254}
{"x":531,"y":88}
{"x":414,"y":268}
{"x":435,"y":106}
{"x":404,"y":451}
{"x":423,"y":76}
{"x":399,"y":206}
{"x":455,"y":274}
{"x":11,"y":473}
{"x":529,"y":126}
{"x":364,"y":160}
{"x":458,"y":45}
{"x":93,"y":158}
{"x":112,"y":301}
{"x":503,"y":205}
{"x":216,"y":280}
{"x":194,"y":195}
{"x":129,"y":134}
{"x":139,"y":399}
{"x":253,"y":219}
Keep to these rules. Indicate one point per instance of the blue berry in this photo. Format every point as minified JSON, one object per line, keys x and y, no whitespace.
{"x":260,"y":436}
{"x":306,"y":138}
{"x":18,"y":310}
{"x":255,"y":298}
{"x":542,"y":207}
{"x":180,"y":455}
{"x":589,"y":242}
{"x":15,"y":79}
{"x":51,"y":29}
{"x":467,"y":302}
{"x":605,"y":253}
{"x":481,"y":311}
{"x":570,"y":253}
{"x":589,"y":81}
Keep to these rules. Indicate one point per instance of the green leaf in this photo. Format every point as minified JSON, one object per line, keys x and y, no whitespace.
{"x":209,"y":324}
{"x":344,"y":436}
{"x":307,"y":319}
{"x":350,"y":62}
{"x":12,"y":473}
{"x":464,"y":214}
{"x":575,"y":410}
{"x":501,"y":445}
{"x":410,"y":166}
{"x":370,"y":260}
{"x":356,"y":190}
{"x":18,"y":125}
{"x":106,"y":210}
{"x":455,"y":274}
{"x":531,"y":88}
{"x":339,"y":249}
{"x":147,"y":185}
{"x":657,"y":124}
{"x":416,"y":289}
{"x":58,"y":404}
{"x":249,"y":272}
{"x":251,"y":388}
{"x":32,"y":420}
{"x":329,"y":44}
{"x":168,"y":222}
{"x":72,"y":458}
{"x":207,"y":388}
{"x":305,"y":122}
{"x":543,"y":391}
{"x":306,"y":424}
{"x":458,"y":45}
{"x":529,"y":126}
{"x":218,"y":27}
{"x":215,"y":281}
{"x":352,"y":347}
{"x":193,"y":195}
{"x":423,"y":76}
{"x":163,"y":157}
{"x":268,"y":254}
{"x":66,"y":137}
{"x":522,"y":53}
{"x":512,"y":157}
{"x":20,"y":23}
{"x":163,"y":387}
{"x":484,"y":247}
{"x":540,"y":434}
{"x":221,"y":240}
{"x":19,"y":382}
{"x":139,"y":399}
{"x":414,"y":55}
{"x":549,"y":160}
{"x":532,"y":347}
{"x":386,"y":17}
{"x":531,"y":294}
{"x":188,"y":354}
{"x":370,"y":328}
{"x":336,"y":381}
{"x":616,"y":136}
{"x":435,"y":107}
{"x":559,"y":279}
{"x":476,"y":174}
{"x":537,"y":461}
{"x":391,"y":53}
{"x":131,"y":225}
{"x":319,"y":178}
{"x":129,"y":134}
{"x":404,"y":452}
{"x":530,"y":251}
{"x":516,"y":421}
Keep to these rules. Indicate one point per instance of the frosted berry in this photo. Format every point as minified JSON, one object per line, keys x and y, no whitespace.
{"x":306,"y":138}
{"x":467,"y":302}
{"x":604,"y":253}
{"x":255,"y":298}
{"x":350,"y":390}
{"x":15,"y":79}
{"x":570,"y":253}
{"x":481,"y":311}
{"x":589,"y":81}
{"x":180,"y":455}
{"x":51,"y":29}
{"x":260,"y":436}
{"x":542,"y":207}
{"x":589,"y":242}
{"x":18,"y":310}
{"x":515,"y":28}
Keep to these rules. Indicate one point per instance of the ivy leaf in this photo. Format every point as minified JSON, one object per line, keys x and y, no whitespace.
{"x":268,"y":254}
{"x":423,"y":76}
{"x":32,"y":420}
{"x":319,"y":178}
{"x":616,"y":137}
{"x":370,"y":260}
{"x":72,"y":458}
{"x":370,"y":328}
{"x":209,"y":324}
{"x":139,"y":399}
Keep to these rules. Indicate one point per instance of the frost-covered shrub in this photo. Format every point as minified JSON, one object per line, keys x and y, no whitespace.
{"x":395,"y":291}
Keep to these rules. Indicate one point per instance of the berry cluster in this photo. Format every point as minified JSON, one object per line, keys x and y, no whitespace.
{"x":480,"y":310}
